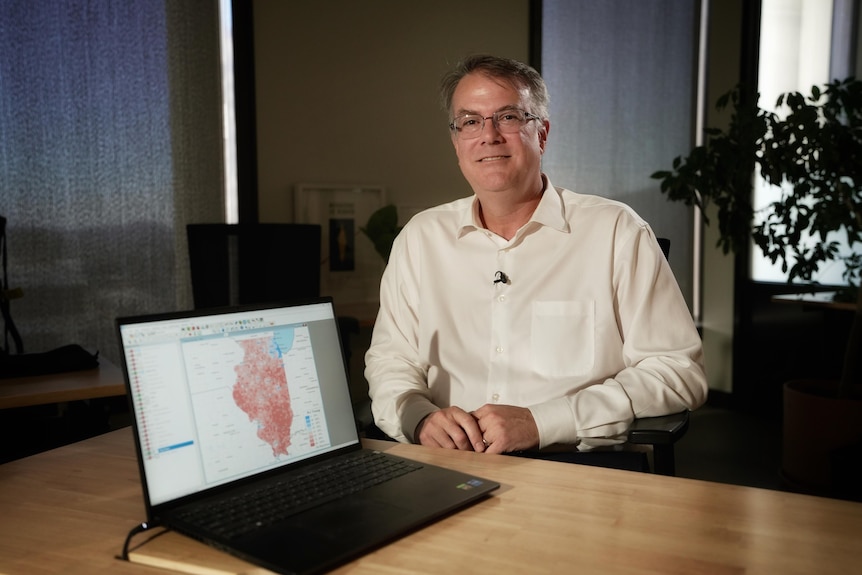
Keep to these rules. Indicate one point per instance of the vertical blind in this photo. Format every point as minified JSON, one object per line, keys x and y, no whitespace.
{"x":110,"y":143}
{"x":622,"y":75}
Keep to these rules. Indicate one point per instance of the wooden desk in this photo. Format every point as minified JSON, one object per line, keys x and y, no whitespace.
{"x":104,"y":381}
{"x":68,"y":511}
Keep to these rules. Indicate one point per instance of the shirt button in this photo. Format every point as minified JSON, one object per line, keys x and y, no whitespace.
{"x":499,"y":350}
{"x":495,"y":398}
{"x":501,"y":298}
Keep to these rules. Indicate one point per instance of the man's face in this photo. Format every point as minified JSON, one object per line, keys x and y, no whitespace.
{"x":494,"y":161}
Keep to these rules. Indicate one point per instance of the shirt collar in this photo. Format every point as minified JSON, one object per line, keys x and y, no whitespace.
{"x":469,"y":220}
{"x":550,"y":212}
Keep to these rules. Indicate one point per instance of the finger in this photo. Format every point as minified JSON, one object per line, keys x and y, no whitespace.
{"x":484,"y":426}
{"x":472,"y":430}
{"x":431,"y":433}
{"x":496,"y":447}
{"x":439,"y":438}
{"x":461,"y":428}
{"x":443,"y":429}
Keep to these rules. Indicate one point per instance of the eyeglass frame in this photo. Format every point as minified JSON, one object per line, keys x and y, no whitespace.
{"x":528,"y":116}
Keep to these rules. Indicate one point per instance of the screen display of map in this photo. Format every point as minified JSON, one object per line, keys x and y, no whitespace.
{"x":224,"y":399}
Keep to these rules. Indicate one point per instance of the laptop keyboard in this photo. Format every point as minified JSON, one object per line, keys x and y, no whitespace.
{"x":245,"y":512}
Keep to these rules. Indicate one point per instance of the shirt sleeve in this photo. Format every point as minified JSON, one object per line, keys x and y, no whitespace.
{"x":397,"y":381}
{"x":662,"y":357}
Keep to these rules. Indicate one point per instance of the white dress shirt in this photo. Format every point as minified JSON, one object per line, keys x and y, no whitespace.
{"x":589,"y":331}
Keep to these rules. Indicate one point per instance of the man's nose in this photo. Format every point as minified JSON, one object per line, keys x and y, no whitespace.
{"x":490,"y":125}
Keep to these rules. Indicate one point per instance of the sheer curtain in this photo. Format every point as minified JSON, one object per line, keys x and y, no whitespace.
{"x":110,"y":143}
{"x":623,"y":81}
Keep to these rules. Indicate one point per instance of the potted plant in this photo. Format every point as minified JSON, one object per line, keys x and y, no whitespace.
{"x":381,"y":229}
{"x":812,"y":153}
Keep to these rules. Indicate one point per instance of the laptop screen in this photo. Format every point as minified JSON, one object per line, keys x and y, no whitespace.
{"x":221,"y":395}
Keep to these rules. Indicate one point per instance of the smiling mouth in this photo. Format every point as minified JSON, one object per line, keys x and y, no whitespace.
{"x":493,"y":158}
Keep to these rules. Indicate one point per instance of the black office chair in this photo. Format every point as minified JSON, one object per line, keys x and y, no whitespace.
{"x":6,"y":294}
{"x":253,"y":263}
{"x":661,"y":433}
{"x":664,"y":244}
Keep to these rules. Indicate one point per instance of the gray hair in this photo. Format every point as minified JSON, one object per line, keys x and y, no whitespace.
{"x":516,"y":73}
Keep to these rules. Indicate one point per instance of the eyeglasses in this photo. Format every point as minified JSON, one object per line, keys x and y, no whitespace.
{"x":509,"y":121}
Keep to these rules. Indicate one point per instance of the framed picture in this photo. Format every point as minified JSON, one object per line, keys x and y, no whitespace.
{"x":350,"y":268}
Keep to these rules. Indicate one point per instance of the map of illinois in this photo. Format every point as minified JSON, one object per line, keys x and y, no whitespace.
{"x":261,"y":392}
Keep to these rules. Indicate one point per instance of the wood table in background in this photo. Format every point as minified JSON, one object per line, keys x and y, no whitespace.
{"x":103,"y":381}
{"x":68,"y":511}
{"x":819,"y":300}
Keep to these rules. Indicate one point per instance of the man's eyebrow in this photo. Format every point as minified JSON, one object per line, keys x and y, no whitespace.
{"x":465,"y":112}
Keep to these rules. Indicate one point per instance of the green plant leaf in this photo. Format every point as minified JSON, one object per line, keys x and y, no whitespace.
{"x":815,"y":151}
{"x":382,"y":228}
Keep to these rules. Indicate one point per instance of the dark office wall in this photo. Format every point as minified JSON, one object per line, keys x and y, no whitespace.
{"x":346,"y":92}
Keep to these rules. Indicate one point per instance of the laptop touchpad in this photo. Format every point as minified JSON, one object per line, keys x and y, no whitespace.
{"x":350,"y":516}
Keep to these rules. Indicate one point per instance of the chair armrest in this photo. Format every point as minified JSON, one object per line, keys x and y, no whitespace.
{"x":661,"y":433}
{"x":660,"y":430}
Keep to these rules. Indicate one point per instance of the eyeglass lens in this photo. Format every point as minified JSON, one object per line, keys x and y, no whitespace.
{"x":506,"y":121}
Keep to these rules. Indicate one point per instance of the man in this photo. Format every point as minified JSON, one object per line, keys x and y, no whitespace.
{"x":527,"y":316}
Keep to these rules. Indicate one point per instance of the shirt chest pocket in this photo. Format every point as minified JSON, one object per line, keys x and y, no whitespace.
{"x":563,"y":337}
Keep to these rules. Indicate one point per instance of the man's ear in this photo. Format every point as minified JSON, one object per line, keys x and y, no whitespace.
{"x":543,"y":134}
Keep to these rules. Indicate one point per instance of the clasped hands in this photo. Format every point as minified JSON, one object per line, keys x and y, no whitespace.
{"x":491,"y":429}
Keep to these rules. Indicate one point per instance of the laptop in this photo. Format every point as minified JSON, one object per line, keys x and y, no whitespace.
{"x":228,"y":402}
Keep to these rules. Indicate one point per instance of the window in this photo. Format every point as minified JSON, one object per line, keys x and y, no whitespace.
{"x":623,"y":78}
{"x":111,"y":142}
{"x":802,"y":43}
{"x":228,"y":111}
